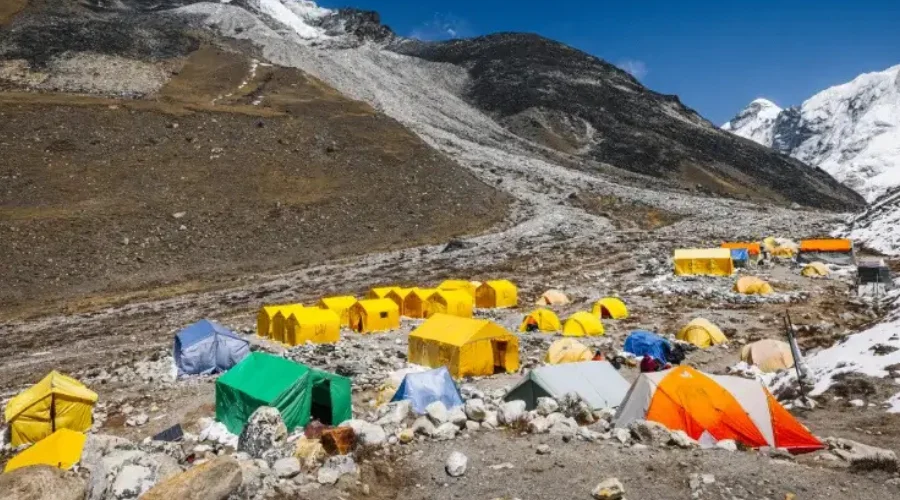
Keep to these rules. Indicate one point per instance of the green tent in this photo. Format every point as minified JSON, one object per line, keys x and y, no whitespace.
{"x":297,"y":391}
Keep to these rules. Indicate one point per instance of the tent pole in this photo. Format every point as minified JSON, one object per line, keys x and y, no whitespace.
{"x":795,"y":351}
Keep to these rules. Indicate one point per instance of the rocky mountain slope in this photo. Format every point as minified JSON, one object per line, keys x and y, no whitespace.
{"x":852,"y":131}
{"x":877,"y":227}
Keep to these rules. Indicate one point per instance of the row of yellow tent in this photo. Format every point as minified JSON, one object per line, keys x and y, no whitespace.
{"x":718,"y":261}
{"x":579,"y":324}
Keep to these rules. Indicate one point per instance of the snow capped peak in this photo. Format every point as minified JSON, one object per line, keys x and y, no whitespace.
{"x":762,"y":102}
{"x":297,"y":15}
{"x":756,"y":122}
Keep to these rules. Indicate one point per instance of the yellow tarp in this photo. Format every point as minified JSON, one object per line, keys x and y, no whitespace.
{"x":467,"y":347}
{"x":414,"y":303}
{"x":61,"y":449}
{"x":568,"y":351}
{"x":467,"y":286}
{"x":553,"y":298}
{"x":452,"y":302}
{"x":702,"y":333}
{"x":583,"y":324}
{"x":611,"y":308}
{"x":703,"y":261}
{"x":319,"y":326}
{"x":56,"y":402}
{"x":340,"y":306}
{"x":374,"y":315}
{"x":751,"y":285}
{"x":544,"y":319}
{"x":768,"y":354}
{"x":279,"y":321}
{"x":815,"y":269}
{"x":380,"y":292}
{"x":496,"y":294}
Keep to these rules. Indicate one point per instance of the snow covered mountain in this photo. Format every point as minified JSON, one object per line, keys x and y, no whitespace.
{"x":852,"y":131}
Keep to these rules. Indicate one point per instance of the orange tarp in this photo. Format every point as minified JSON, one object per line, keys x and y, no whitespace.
{"x":752,"y":248}
{"x":834,"y":245}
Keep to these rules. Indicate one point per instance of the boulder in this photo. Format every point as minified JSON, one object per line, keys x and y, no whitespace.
{"x":371,"y":435}
{"x":862,"y":456}
{"x":264,"y":431}
{"x":127,"y":473}
{"x":543,"y":449}
{"x":588,"y":435}
{"x":609,"y":489}
{"x":395,"y":413}
{"x":41,"y":482}
{"x":311,"y":452}
{"x":727,"y":445}
{"x":338,"y":441}
{"x":213,"y":480}
{"x":476,"y":410}
{"x":650,"y":433}
{"x":511,"y":412}
{"x":406,"y":436}
{"x":546,"y":406}
{"x":286,"y":468}
{"x":538,"y":425}
{"x":456,"y":465}
{"x":490,"y":421}
{"x":445,"y":432}
{"x":682,"y":440}
{"x":336,"y":467}
{"x":565,"y":428}
{"x":622,"y":435}
{"x":423,"y":426}
{"x":256,"y":478}
{"x":437,"y":413}
{"x":472,"y":426}
{"x":457,"y":417}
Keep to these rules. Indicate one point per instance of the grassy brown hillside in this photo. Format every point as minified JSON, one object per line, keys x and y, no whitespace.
{"x":231,"y":167}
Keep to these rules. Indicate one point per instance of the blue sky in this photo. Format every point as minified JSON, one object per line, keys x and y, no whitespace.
{"x":716,"y":55}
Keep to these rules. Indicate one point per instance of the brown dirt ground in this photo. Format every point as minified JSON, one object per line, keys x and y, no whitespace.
{"x":9,"y":9}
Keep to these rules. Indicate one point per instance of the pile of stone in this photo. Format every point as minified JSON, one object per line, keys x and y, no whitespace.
{"x":714,"y":290}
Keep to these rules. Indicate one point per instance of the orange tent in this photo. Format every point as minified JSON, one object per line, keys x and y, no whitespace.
{"x":831,"y":245}
{"x":715,"y":406}
{"x":752,"y":248}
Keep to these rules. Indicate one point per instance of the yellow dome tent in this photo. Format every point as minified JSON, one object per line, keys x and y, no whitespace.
{"x":340,"y":306}
{"x":61,"y":449}
{"x":545,"y":320}
{"x":568,"y":350}
{"x":770,"y":244}
{"x":751,"y":285}
{"x":583,"y":324}
{"x":703,"y":261}
{"x":610,"y":308}
{"x":380,"y":292}
{"x":467,"y":347}
{"x":464,"y":285}
{"x":769,"y":355}
{"x":279,"y":321}
{"x":414,"y":303}
{"x":56,"y":402}
{"x":452,"y":302}
{"x":815,"y":270}
{"x":496,"y":294}
{"x":399,"y":296}
{"x":374,"y":315}
{"x":319,"y":326}
{"x":553,"y":298}
{"x":702,"y":333}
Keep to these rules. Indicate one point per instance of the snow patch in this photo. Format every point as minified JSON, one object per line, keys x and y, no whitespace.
{"x":294,"y":14}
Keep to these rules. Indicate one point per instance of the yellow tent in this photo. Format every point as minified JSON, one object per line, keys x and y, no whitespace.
{"x":769,"y":355}
{"x":611,"y":308}
{"x":815,"y":270}
{"x":784,"y":252}
{"x":701,"y":333}
{"x":568,"y":351}
{"x":751,"y":285}
{"x":452,"y":302}
{"x":553,"y":298}
{"x":340,"y":306}
{"x":704,"y":261}
{"x":770,"y":244}
{"x":581,"y":324}
{"x":380,"y":292}
{"x":496,"y":294}
{"x":464,"y":285}
{"x":398,"y":295}
{"x":374,"y":315}
{"x":319,"y":326}
{"x":544,"y":320}
{"x":56,"y":402}
{"x":265,"y":320}
{"x":467,"y":347}
{"x":279,"y":321}
{"x":61,"y":449}
{"x":414,"y":303}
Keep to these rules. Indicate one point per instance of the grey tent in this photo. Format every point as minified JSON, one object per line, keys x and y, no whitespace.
{"x":207,"y":347}
{"x":597,"y":382}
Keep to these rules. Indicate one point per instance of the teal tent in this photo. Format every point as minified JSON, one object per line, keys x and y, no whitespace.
{"x":300,"y":393}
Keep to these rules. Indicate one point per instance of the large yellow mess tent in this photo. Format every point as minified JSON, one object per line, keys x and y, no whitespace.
{"x":61,"y":449}
{"x":610,"y":308}
{"x":452,"y":302}
{"x":319,"y":326}
{"x":374,"y":315}
{"x":702,"y":333}
{"x":544,"y":320}
{"x":769,"y":355}
{"x":583,"y":324}
{"x":340,"y":306}
{"x":464,"y":285}
{"x":265,"y":320}
{"x":398,"y":295}
{"x":279,"y":321}
{"x":751,"y":285}
{"x":467,"y":347}
{"x":497,"y":294}
{"x":815,"y":270}
{"x":380,"y":292}
{"x":568,"y":350}
{"x":56,"y":402}
{"x":703,"y":261}
{"x":414,"y":303}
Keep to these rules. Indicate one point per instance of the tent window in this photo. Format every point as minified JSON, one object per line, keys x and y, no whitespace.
{"x":321,"y":402}
{"x":383,"y":314}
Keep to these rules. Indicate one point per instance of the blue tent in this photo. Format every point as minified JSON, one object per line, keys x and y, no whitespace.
{"x":740,"y":256}
{"x":424,"y":388}
{"x":207,"y":347}
{"x":643,"y":343}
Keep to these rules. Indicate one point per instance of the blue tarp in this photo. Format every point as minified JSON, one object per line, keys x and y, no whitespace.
{"x":207,"y":347}
{"x":740,"y":254}
{"x":643,"y":343}
{"x":424,"y":388}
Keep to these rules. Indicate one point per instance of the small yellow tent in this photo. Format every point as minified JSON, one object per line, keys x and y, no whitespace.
{"x":815,"y":270}
{"x":319,"y":326}
{"x":463,"y":285}
{"x":374,"y":315}
{"x":380,"y":292}
{"x":568,"y":351}
{"x":61,"y":449}
{"x":496,"y":294}
{"x":784,"y":252}
{"x":751,"y":285}
{"x":265,"y":320}
{"x":467,"y":347}
{"x":553,"y":298}
{"x":340,"y":306}
{"x":701,"y":333}
{"x":414,"y":303}
{"x":704,"y":261}
{"x":398,"y":295}
{"x":544,"y":320}
{"x":583,"y":324}
{"x":56,"y":402}
{"x":452,"y":302}
{"x":610,"y":308}
{"x":279,"y":321}
{"x":769,"y":355}
{"x":770,"y":244}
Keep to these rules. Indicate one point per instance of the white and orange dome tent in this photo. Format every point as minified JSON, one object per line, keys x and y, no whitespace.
{"x":714,"y":406}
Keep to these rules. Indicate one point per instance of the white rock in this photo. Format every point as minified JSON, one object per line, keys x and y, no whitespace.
{"x":395,"y":413}
{"x":546,"y":406}
{"x":446,"y":432}
{"x":609,"y":489}
{"x":132,"y":481}
{"x":538,"y":425}
{"x":286,"y":468}
{"x":472,"y":426}
{"x":708,"y":478}
{"x":335,"y":467}
{"x":857,"y":403}
{"x":511,"y":412}
{"x":623,"y":435}
{"x":437,"y":413}
{"x":423,"y":426}
{"x":727,"y":444}
{"x":457,"y":463}
{"x":490,"y":420}
{"x":650,"y":433}
{"x":137,"y":420}
{"x":476,"y":410}
{"x":555,"y":418}
{"x":371,"y":435}
{"x":565,"y":428}
{"x":588,"y":435}
{"x":682,"y":440}
{"x":543,"y":449}
{"x":457,"y":417}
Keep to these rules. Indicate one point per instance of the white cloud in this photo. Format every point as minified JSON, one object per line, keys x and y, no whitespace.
{"x":634,"y":67}
{"x":442,"y":27}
